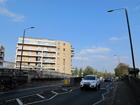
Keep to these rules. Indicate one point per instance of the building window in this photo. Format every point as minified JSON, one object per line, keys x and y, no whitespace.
{"x":30,"y":47}
{"x":29,"y":52}
{"x":63,"y":71}
{"x":58,"y":55}
{"x":37,"y":58}
{"x":28,"y":63}
{"x":63,"y":66}
{"x":51,"y":54}
{"x":58,"y":44}
{"x":51,"y":65}
{"x":28,"y":58}
{"x":45,"y":53}
{"x":58,"y":70}
{"x":57,"y":65}
{"x":58,"y":49}
{"x":38,"y":47}
{"x":58,"y":59}
{"x":45,"y":48}
{"x":52,"y":49}
{"x":63,"y":44}
{"x":37,"y":53}
{"x":63,"y":60}
{"x":63,"y":49}
{"x":64,"y":54}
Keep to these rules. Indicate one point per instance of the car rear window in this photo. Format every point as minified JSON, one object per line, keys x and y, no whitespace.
{"x":107,"y":78}
{"x":89,"y":78}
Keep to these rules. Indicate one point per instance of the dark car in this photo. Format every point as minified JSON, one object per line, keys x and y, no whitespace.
{"x":107,"y":79}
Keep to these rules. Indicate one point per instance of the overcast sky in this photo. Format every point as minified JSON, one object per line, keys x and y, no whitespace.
{"x":96,"y":35}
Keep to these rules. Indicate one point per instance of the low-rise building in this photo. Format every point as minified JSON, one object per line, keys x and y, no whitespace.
{"x":2,"y":53}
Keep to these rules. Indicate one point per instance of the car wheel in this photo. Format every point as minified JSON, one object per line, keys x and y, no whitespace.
{"x":99,"y":86}
{"x":96,"y":87}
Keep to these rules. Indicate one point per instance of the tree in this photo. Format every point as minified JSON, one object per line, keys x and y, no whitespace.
{"x":80,"y":72}
{"x":105,"y":71}
{"x":88,"y":71}
{"x":76,"y":71}
{"x":121,"y":69}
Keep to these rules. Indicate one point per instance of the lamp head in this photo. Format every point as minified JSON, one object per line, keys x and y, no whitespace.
{"x":32,"y":27}
{"x":110,"y":10}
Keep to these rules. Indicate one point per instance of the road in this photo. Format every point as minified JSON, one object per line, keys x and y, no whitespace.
{"x":56,"y":95}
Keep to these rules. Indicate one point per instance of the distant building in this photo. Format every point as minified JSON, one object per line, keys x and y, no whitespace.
{"x":47,"y":53}
{"x":2,"y":52}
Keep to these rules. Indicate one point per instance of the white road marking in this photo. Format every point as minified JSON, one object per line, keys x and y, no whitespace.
{"x":40,"y":96}
{"x":103,"y":97}
{"x":49,"y":98}
{"x":107,"y":86}
{"x":32,"y":88}
{"x":64,"y":89}
{"x":18,"y":100}
{"x":54,"y":92}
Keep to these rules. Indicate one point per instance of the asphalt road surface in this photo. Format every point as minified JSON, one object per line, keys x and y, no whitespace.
{"x":56,"y":95}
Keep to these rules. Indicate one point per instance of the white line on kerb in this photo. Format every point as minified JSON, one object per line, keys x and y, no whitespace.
{"x":40,"y":96}
{"x":18,"y":100}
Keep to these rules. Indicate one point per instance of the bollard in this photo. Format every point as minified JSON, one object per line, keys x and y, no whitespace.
{"x":66,"y":81}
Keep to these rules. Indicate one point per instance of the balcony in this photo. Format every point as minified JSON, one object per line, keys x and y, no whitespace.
{"x":72,"y":68}
{"x":28,"y":61}
{"x":1,"y":60}
{"x":48,"y":61}
{"x":29,"y":49}
{"x":26,"y":42}
{"x":72,"y":54}
{"x":1,"y":55}
{"x":72,"y":49}
{"x":2,"y":50}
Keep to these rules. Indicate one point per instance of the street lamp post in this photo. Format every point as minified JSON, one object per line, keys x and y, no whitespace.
{"x":119,"y":65}
{"x":129,"y":36}
{"x":22,"y":49}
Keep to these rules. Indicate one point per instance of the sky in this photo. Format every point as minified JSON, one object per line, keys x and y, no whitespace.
{"x":96,"y":35}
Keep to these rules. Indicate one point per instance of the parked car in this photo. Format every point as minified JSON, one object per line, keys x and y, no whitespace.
{"x":107,"y":79}
{"x":90,"y":81}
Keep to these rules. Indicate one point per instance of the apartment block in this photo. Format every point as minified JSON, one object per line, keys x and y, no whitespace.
{"x":46,"y":53}
{"x":2,"y":52}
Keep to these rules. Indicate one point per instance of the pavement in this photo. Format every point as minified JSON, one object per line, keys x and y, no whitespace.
{"x":123,"y":95}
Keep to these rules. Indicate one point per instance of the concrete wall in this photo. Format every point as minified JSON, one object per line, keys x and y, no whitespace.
{"x":133,"y":82}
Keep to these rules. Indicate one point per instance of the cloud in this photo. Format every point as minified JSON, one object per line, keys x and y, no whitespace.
{"x":81,"y":58}
{"x":2,"y":1}
{"x":98,"y":50}
{"x":16,"y":17}
{"x":100,"y":56}
{"x":137,"y":7}
{"x":94,"y":50}
{"x":114,"y":38}
{"x":93,"y":46}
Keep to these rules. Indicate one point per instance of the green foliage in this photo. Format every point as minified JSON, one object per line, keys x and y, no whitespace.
{"x":80,"y":72}
{"x":121,"y":69}
{"x":89,"y":71}
{"x":76,"y":71}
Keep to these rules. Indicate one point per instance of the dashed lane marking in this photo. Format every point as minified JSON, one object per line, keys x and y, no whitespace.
{"x":18,"y":100}
{"x":40,"y":96}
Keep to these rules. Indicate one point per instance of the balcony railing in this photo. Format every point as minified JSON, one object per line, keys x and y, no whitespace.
{"x":36,"y":55}
{"x":72,"y":49}
{"x":37,"y":42}
{"x":37,"y":49}
{"x":72,"y":54}
{"x":72,"y":68}
{"x":50,"y":61}
{"x":1,"y":50}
